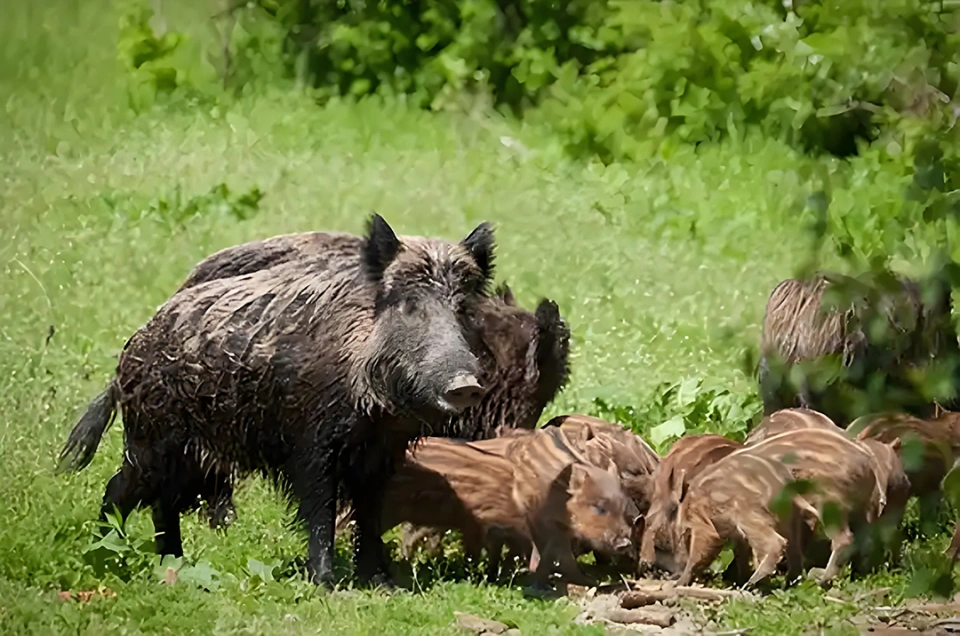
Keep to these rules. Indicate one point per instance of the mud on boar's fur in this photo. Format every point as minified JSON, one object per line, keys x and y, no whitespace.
{"x":801,"y":326}
{"x":316,"y":371}
{"x":688,"y":457}
{"x":786,"y":420}
{"x":843,"y":478}
{"x":731,"y":500}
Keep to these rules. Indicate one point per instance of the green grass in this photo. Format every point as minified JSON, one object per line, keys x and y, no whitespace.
{"x":662,"y":271}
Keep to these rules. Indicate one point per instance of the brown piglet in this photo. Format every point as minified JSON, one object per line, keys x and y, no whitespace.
{"x":688,"y":457}
{"x":447,"y":484}
{"x":786,"y":420}
{"x":568,"y":502}
{"x":842,"y":477}
{"x":732,"y":500}
{"x":601,"y":441}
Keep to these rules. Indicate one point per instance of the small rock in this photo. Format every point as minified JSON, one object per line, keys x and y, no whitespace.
{"x":65,"y":595}
{"x":479,"y":625}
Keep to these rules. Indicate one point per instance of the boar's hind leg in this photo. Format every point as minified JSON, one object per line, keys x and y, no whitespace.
{"x":126,"y":490}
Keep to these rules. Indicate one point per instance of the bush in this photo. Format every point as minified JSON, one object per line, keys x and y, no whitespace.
{"x":619,"y":78}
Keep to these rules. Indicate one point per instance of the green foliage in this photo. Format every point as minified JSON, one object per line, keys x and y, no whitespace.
{"x":691,"y":405}
{"x":661,"y":267}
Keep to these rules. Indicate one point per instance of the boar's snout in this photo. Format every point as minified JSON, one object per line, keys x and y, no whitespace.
{"x":461,"y":393}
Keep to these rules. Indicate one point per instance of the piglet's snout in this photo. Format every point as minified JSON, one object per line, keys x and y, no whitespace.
{"x":463,"y":392}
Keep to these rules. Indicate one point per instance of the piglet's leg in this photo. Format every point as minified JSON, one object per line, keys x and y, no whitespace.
{"x":768,"y":548}
{"x":569,"y":569}
{"x":839,"y":544}
{"x":705,"y":546}
{"x":953,"y":551}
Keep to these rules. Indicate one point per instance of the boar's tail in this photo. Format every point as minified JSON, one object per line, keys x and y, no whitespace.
{"x":85,"y":437}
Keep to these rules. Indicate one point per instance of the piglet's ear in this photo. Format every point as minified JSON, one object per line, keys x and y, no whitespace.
{"x":481,"y":245}
{"x":381,"y":247}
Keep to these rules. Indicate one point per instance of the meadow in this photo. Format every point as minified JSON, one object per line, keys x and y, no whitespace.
{"x":661,"y":268}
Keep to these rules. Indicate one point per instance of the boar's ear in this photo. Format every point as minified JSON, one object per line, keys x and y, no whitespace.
{"x":612,"y":468}
{"x":480,"y":243}
{"x":578,"y":475}
{"x":896,"y":444}
{"x":381,"y":247}
{"x":677,"y":485}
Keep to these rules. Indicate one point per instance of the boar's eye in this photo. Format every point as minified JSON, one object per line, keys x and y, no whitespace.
{"x":599,"y":509}
{"x":408,"y":306}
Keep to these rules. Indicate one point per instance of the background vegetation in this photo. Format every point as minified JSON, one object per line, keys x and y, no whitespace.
{"x":654,"y":167}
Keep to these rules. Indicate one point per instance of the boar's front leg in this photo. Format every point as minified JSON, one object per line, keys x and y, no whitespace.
{"x":366,"y":493}
{"x":315,"y":485}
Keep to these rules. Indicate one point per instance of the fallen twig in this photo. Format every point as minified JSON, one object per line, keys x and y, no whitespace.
{"x":641,"y":597}
{"x":640,"y":616}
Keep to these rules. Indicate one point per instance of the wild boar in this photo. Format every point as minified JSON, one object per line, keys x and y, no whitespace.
{"x":790,"y":420}
{"x":888,"y":327}
{"x":731,"y":500}
{"x":529,"y":351}
{"x":600,"y":441}
{"x":842,"y":477}
{"x":939,"y":440}
{"x":446,"y":484}
{"x":548,"y":473}
{"x":688,"y":457}
{"x":317,"y":371}
{"x":879,"y":542}
{"x":541,"y":504}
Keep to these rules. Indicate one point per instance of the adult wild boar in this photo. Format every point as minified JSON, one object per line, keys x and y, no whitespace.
{"x":885,"y":328}
{"x":530,"y":351}
{"x":317,"y":371}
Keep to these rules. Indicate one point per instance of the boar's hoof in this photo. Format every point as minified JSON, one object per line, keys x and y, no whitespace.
{"x":381,"y":581}
{"x":324,"y":579}
{"x":462,"y":393}
{"x":819,"y":575}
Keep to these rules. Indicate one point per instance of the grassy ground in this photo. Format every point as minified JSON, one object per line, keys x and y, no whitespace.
{"x":661,"y":270}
